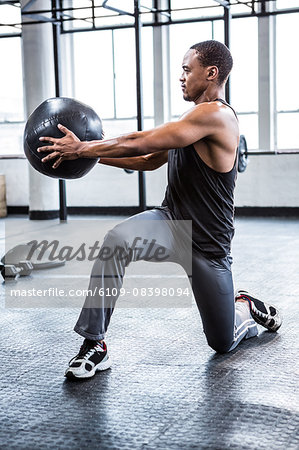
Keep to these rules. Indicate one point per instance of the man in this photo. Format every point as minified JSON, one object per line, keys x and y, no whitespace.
{"x":201,"y":150}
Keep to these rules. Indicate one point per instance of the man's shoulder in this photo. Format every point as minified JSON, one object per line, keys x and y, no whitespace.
{"x":217,"y":113}
{"x":208,"y":112}
{"x":215,"y":106}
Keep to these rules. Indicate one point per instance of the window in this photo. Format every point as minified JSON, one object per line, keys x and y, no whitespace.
{"x":10,"y":14}
{"x":93,"y":71}
{"x":191,"y":9}
{"x":244,"y":77}
{"x":286,"y":4}
{"x":11,"y":87}
{"x":125,"y":73}
{"x":107,"y":79}
{"x":287,"y":64}
{"x":11,"y":96}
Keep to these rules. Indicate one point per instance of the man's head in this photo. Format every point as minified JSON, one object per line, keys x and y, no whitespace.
{"x":214,"y":53}
{"x":206,"y":63}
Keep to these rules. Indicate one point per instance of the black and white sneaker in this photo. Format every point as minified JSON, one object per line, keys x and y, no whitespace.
{"x":263,"y":313}
{"x":92,"y":357}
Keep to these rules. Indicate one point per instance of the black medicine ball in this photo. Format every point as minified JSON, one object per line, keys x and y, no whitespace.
{"x":77,"y":117}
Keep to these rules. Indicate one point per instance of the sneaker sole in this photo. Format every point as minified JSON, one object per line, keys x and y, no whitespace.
{"x":276,"y":318}
{"x":99,"y":368}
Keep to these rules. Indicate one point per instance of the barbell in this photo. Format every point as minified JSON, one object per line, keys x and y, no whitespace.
{"x":243,"y":154}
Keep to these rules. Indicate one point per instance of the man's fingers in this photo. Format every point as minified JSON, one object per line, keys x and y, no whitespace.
{"x":52,"y":155}
{"x":64,"y":129}
{"x":46,"y":148}
{"x":48,"y":139}
{"x":58,"y":162}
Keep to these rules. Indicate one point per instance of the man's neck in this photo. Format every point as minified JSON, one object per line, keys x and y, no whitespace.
{"x":211,"y":95}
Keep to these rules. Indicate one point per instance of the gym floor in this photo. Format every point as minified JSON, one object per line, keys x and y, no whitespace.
{"x":166,"y":389}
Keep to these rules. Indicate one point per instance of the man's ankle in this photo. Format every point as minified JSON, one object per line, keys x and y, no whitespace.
{"x":242,"y":300}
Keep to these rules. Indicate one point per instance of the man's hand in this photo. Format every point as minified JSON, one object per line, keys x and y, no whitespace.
{"x":66,"y":148}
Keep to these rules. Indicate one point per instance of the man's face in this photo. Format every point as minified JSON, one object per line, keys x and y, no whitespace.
{"x":194,"y":77}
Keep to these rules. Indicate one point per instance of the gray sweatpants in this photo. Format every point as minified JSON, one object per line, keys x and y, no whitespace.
{"x":225,"y":322}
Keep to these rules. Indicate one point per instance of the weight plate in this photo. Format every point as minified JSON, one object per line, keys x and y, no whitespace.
{"x":242,"y":154}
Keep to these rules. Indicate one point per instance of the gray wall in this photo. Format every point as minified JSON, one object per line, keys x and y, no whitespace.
{"x":269,"y":181}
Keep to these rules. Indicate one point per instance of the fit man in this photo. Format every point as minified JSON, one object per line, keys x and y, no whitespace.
{"x":201,"y":152}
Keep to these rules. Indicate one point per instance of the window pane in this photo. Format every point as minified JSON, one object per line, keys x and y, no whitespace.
{"x":103,"y":17}
{"x":238,"y":7}
{"x":11,"y":138}
{"x":11,"y":83}
{"x":124,"y":5}
{"x":117,"y":127}
{"x":284,"y":4}
{"x":201,"y":9}
{"x":218,"y":30}
{"x":146,"y":15}
{"x":115,"y":18}
{"x":107,"y":18}
{"x":93,"y":71}
{"x":249,"y":127}
{"x":288,"y":131}
{"x":94,"y":81}
{"x":286,"y":42}
{"x":182,"y":37}
{"x":9,"y":15}
{"x":147,"y":71}
{"x":84,"y":14}
{"x":114,"y":128}
{"x":244,"y":77}
{"x":178,"y":4}
{"x":125,"y":73}
{"x":149,"y":124}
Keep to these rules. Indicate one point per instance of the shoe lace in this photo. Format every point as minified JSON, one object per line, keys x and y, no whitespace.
{"x":86,"y":350}
{"x":260,"y":314}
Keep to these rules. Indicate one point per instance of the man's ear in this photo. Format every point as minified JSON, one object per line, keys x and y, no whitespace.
{"x":212,"y":73}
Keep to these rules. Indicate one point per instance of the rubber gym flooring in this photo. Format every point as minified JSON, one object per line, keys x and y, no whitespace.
{"x":166,"y":388}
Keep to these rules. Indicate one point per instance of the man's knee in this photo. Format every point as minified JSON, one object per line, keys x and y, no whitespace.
{"x":114,"y":238}
{"x":220,"y":345}
{"x":114,"y":246}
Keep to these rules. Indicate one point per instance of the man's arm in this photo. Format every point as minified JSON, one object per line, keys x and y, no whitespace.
{"x":201,"y":121}
{"x":151,"y":161}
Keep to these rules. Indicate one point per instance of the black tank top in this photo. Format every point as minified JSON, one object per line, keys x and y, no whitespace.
{"x":199,"y":193}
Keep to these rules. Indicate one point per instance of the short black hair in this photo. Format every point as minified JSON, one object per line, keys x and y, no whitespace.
{"x":214,"y":53}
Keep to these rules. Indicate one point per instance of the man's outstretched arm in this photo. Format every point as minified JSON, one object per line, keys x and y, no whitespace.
{"x":151,"y":161}
{"x":201,"y":121}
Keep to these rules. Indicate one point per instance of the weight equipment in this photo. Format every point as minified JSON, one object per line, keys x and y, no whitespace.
{"x":39,"y":258}
{"x":243,"y":154}
{"x":16,"y":263}
{"x":77,"y":117}
{"x":11,"y":271}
